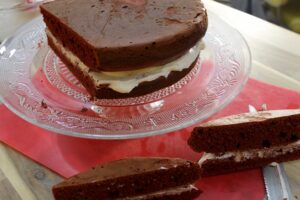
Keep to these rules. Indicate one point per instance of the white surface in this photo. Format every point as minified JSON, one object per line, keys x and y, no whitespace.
{"x":11,"y":20}
{"x":275,"y":50}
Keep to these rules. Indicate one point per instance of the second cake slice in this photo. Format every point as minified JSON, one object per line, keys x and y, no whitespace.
{"x":247,"y":141}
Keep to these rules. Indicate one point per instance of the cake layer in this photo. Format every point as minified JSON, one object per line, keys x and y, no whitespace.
{"x":215,"y":164}
{"x":247,"y":131}
{"x":103,"y":91}
{"x":125,"y":81}
{"x":187,"y":192}
{"x":118,"y":35}
{"x":128,"y":178}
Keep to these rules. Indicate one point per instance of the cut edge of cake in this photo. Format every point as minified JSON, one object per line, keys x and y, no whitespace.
{"x":215,"y":164}
{"x":186,"y":192}
{"x":247,"y":131}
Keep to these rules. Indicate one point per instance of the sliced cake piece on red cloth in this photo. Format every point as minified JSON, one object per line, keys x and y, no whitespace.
{"x":133,"y":178}
{"x":247,"y":141}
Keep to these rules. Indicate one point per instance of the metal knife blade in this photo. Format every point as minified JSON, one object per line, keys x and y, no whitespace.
{"x":276,"y":182}
{"x":275,"y":178}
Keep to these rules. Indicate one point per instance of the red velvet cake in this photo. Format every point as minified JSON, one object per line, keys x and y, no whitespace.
{"x":126,"y":48}
{"x":247,"y":141}
{"x":133,"y":179}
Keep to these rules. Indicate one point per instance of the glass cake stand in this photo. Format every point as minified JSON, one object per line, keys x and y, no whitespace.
{"x":37,"y":86}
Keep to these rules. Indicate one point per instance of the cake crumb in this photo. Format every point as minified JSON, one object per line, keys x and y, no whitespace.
{"x":40,"y":44}
{"x":84,"y":109}
{"x":44,"y":105}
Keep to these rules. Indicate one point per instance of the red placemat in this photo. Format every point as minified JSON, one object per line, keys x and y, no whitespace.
{"x":68,"y":156}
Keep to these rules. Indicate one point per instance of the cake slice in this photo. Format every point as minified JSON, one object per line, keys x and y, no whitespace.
{"x":133,"y":178}
{"x":247,"y":141}
{"x":247,"y":131}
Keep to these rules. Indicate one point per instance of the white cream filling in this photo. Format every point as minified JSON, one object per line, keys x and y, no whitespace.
{"x":172,"y":191}
{"x":251,"y":117}
{"x":125,"y":81}
{"x":240,"y":156}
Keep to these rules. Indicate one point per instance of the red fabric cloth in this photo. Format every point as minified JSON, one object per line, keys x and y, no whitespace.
{"x":68,"y":156}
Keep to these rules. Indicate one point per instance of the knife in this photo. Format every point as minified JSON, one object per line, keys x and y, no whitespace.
{"x":275,"y":178}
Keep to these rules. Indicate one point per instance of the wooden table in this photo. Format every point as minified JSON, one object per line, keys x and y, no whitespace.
{"x":276,"y":60}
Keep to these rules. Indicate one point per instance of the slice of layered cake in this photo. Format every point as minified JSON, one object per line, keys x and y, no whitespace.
{"x":126,"y":48}
{"x":246,"y":141}
{"x":133,"y":179}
